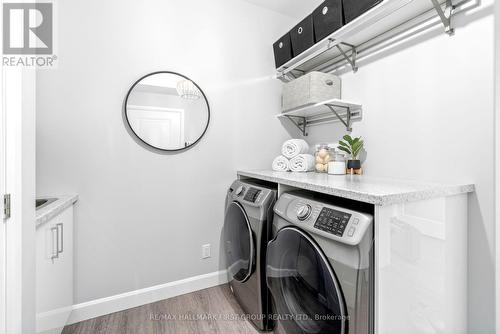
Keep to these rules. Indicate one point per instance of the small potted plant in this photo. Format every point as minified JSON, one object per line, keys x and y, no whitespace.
{"x":353,"y":147}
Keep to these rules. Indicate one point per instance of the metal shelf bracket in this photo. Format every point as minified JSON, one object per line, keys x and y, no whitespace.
{"x":354,"y":53}
{"x":289,"y":76}
{"x":300,"y":122}
{"x":286,"y":77}
{"x":347,"y":122}
{"x":445,"y":15}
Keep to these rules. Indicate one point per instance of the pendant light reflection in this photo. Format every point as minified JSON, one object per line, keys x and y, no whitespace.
{"x":188,"y":90}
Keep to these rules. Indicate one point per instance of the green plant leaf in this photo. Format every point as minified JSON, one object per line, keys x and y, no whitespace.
{"x":343,"y":143}
{"x":357,"y":148}
{"x":348,"y":139}
{"x":345,"y":149}
{"x":356,"y":140}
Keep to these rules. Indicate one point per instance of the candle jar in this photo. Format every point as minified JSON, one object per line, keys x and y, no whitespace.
{"x":337,"y":166}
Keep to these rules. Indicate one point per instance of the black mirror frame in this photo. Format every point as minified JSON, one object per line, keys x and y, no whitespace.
{"x":152,"y":146}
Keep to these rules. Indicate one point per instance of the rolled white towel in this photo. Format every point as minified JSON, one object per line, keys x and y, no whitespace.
{"x":302,"y":163}
{"x":293,"y":147}
{"x":281,"y":164}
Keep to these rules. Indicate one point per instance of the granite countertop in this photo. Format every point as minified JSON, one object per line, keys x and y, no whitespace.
{"x":378,"y":191}
{"x":53,"y":209}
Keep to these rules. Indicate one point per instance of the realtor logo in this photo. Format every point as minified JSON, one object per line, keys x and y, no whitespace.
{"x":28,"y":29}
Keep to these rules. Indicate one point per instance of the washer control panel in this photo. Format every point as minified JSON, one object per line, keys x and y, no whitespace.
{"x":327,"y":220}
{"x":332,"y":221}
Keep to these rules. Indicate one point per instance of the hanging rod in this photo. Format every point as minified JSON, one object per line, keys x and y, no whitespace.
{"x":394,"y":35}
{"x":445,"y":15}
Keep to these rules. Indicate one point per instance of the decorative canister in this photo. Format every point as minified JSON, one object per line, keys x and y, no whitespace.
{"x":338,"y":164}
{"x":323,"y":157}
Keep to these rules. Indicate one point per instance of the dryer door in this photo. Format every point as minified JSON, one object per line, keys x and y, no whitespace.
{"x":238,"y":243}
{"x":305,"y":289}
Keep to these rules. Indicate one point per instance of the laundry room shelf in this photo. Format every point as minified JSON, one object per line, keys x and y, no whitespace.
{"x":334,"y":110}
{"x":376,"y":27}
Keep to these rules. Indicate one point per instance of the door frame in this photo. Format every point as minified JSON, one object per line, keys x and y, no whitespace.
{"x":3,"y":179}
{"x":18,"y":125}
{"x":496,"y":66}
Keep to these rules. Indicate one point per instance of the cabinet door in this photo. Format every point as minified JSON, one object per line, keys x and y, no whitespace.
{"x":54,"y":281}
{"x":421,"y":267}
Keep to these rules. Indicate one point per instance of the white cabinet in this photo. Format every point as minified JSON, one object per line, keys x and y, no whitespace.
{"x":421,"y":267}
{"x":420,"y":247}
{"x":54,"y":272}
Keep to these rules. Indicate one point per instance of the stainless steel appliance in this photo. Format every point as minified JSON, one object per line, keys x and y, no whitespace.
{"x":248,"y":218}
{"x":320,"y":267}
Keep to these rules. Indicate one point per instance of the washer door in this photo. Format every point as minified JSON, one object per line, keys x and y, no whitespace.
{"x":238,"y":243}
{"x":304,"y":287}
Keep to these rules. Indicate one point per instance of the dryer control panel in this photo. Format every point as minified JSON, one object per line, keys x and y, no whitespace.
{"x":250,"y":194}
{"x":327,"y":220}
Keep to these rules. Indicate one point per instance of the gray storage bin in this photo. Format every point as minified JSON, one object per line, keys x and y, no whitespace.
{"x":310,"y":89}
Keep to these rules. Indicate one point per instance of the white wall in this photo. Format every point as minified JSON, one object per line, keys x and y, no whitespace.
{"x":142,"y":217}
{"x":429,"y":115}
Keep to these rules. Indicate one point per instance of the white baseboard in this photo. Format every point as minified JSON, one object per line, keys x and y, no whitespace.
{"x":52,"y":322}
{"x":123,"y":301}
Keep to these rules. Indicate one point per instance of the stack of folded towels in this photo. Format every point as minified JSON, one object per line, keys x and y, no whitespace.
{"x":294,"y":157}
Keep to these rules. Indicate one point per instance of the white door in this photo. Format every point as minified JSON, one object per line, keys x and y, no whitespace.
{"x":159,"y":127}
{"x":18,"y":107}
{"x":2,"y":222}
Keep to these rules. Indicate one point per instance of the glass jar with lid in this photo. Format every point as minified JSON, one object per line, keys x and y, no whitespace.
{"x":322,"y":158}
{"x":337,"y":165}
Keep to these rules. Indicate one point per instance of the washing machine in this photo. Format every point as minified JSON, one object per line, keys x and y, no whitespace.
{"x":320,"y":267}
{"x":246,"y":232}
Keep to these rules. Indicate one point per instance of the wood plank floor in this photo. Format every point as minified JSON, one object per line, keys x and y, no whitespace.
{"x":211,"y":310}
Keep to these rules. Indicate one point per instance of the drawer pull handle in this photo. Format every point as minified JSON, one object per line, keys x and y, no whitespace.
{"x":61,"y":242}
{"x":55,"y":250}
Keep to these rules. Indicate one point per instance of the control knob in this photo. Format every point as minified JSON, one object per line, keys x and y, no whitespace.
{"x":304,"y":211}
{"x":239,"y":191}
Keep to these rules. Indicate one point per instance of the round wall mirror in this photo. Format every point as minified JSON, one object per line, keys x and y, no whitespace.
{"x":167,"y":111}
